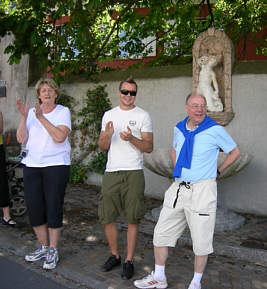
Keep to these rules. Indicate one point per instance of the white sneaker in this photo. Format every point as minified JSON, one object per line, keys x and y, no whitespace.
{"x":51,"y":259}
{"x":150,"y":282}
{"x":37,"y":254}
{"x":193,"y":285}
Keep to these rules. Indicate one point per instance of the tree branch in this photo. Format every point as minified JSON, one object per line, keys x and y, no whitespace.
{"x":114,"y":27}
{"x":210,"y":12}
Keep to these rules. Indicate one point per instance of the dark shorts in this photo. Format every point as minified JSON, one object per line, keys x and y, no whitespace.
{"x":122,"y":191}
{"x":44,"y":190}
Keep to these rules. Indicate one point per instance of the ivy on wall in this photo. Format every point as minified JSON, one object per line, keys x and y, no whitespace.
{"x":86,"y":126}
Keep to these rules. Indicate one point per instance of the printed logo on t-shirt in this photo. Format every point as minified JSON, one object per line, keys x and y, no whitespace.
{"x":132,"y":122}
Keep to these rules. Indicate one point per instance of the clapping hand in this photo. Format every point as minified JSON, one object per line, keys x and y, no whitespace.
{"x":126,"y":135}
{"x":109,"y":129}
{"x":38,"y":111}
{"x":22,"y":107}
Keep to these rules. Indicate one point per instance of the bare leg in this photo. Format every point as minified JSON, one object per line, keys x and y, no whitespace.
{"x":200,"y":263}
{"x":161,"y":255}
{"x":112,"y":237}
{"x":42,"y":234}
{"x":54,"y":234}
{"x":199,"y":267}
{"x":6,"y":215}
{"x":131,"y":240}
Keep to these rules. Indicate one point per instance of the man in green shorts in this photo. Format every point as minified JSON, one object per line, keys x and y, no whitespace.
{"x":126,"y":134}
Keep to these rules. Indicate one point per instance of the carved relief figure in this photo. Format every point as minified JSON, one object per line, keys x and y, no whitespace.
{"x":207,"y":84}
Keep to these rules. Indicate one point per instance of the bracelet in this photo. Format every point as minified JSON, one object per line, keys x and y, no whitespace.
{"x":218,"y":172}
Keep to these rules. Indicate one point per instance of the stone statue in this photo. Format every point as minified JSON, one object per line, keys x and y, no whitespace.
{"x":215,"y":42}
{"x":208,"y":85}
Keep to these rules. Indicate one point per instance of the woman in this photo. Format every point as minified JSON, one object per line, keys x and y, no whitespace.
{"x":44,"y":129}
{"x":4,"y":192}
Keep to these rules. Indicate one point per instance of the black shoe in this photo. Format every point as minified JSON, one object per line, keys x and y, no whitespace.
{"x":128,"y":270}
{"x":111,"y":262}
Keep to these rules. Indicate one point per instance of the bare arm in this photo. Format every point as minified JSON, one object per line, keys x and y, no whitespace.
{"x":22,"y":132}
{"x":173,"y":156}
{"x":231,"y":157}
{"x":58,"y":133}
{"x":105,"y":136}
{"x":145,"y":144}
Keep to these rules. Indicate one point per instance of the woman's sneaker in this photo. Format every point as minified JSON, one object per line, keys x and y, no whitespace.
{"x":150,"y":282}
{"x":51,"y":259}
{"x":37,"y":254}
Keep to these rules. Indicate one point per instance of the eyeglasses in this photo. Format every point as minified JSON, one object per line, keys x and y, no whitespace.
{"x":125,"y":92}
{"x":196,"y":106}
{"x":49,"y":90}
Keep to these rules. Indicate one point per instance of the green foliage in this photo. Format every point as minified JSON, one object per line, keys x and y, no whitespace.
{"x":99,"y":30}
{"x":65,"y":100}
{"x":86,"y":127}
{"x":241,"y":19}
{"x":77,"y":173}
{"x":98,"y":162}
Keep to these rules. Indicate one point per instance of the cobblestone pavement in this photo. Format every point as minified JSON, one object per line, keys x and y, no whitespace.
{"x":239,"y":261}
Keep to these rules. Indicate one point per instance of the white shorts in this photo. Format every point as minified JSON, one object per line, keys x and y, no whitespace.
{"x":195,"y":204}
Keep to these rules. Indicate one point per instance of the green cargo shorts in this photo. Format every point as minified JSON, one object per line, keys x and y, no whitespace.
{"x":122,"y":191}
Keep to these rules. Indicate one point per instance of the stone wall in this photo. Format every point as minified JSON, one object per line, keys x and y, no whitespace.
{"x":162,"y":92}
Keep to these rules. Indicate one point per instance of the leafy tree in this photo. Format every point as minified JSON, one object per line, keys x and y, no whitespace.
{"x":242,"y":19}
{"x":98,"y":30}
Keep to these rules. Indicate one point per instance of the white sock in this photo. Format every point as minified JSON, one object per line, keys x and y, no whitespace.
{"x":197,"y":278}
{"x":159,"y":272}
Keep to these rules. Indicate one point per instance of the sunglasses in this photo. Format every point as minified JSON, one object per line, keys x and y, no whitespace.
{"x":125,"y":92}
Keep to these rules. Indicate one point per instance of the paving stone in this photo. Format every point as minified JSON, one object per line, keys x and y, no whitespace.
{"x":83,"y":249}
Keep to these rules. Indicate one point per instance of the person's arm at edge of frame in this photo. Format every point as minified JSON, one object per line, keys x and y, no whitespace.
{"x":1,"y":122}
{"x":231,"y":157}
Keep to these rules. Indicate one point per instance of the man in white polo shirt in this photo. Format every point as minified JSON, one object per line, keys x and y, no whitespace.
{"x":192,"y":198}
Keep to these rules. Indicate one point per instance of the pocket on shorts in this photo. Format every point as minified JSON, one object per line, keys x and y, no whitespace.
{"x":204,"y":197}
{"x":170,"y":195}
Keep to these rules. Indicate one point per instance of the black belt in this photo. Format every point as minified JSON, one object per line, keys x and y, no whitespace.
{"x":187,"y":185}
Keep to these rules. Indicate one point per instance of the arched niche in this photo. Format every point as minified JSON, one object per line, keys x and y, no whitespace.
{"x":216,"y":42}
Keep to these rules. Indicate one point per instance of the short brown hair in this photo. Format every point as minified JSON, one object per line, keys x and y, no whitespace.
{"x":128,"y":80}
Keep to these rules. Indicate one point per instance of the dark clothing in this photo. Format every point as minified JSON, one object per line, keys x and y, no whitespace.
{"x":4,"y":190}
{"x":44,"y":190}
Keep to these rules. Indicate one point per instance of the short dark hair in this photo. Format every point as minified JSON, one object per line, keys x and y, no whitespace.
{"x":194,"y":94}
{"x":128,"y":80}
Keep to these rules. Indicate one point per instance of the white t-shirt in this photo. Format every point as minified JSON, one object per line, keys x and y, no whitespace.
{"x":43,"y":151}
{"x":122,"y":155}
